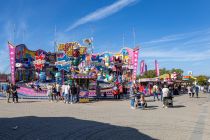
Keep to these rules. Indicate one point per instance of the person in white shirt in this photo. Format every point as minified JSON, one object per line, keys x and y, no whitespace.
{"x":165,"y":92}
{"x":66,"y":94}
{"x":189,"y":90}
{"x":49,"y":92}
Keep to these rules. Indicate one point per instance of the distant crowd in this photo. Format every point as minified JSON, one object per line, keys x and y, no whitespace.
{"x":161,"y":92}
{"x":67,"y":93}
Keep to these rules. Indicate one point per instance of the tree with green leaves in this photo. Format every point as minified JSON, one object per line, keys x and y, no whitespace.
{"x":178,"y":71}
{"x":151,"y":73}
{"x":202,"y":80}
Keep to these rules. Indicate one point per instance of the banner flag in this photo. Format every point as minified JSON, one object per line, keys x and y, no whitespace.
{"x":12,"y":61}
{"x":145,"y":68}
{"x":157,"y":68}
{"x":142,"y":65}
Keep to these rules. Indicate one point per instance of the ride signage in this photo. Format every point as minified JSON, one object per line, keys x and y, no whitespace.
{"x":39,"y":62}
{"x":69,"y":47}
{"x":63,"y":63}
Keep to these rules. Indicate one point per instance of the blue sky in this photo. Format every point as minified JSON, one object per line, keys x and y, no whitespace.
{"x":175,"y":32}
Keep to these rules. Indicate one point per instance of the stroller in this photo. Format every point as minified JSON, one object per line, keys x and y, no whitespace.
{"x":168,"y":101}
{"x":138,"y":101}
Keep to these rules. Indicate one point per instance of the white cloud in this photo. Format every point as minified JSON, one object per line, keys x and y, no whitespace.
{"x":185,"y":47}
{"x":190,"y":36}
{"x":102,"y":13}
{"x":171,"y":55}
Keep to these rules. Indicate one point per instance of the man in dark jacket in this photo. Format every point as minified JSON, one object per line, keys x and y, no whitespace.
{"x":14,"y":93}
{"x":77,"y":92}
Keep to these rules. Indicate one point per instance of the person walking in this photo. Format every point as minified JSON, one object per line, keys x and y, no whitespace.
{"x":54,"y":92}
{"x":49,"y":92}
{"x":115,"y":91}
{"x":196,"y":90}
{"x":66,"y":94}
{"x":120,"y":90}
{"x":193,"y":90}
{"x":72,"y":93}
{"x":58,"y":91}
{"x":189,"y":90}
{"x":155,"y":91}
{"x":8,"y":91}
{"x":14,"y":93}
{"x":77,"y":93}
{"x":165,"y":92}
{"x":132,"y":97}
{"x":62,"y":92}
{"x":98,"y":91}
{"x":161,"y":93}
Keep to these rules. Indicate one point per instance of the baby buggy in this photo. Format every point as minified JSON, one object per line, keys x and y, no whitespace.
{"x":140,"y":101}
{"x":168,"y":101}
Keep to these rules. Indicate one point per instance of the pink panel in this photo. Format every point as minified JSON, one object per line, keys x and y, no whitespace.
{"x":135,"y":62}
{"x":12,"y":61}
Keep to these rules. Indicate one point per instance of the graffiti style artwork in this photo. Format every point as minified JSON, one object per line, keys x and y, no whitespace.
{"x":39,"y":62}
{"x":68,"y":48}
{"x":63,"y":63}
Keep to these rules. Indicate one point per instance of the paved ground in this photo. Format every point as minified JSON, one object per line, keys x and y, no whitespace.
{"x":41,"y":120}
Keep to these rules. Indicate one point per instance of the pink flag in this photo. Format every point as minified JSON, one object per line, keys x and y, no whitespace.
{"x":12,"y":61}
{"x":135,"y":62}
{"x":133,"y":54}
{"x":157,"y":68}
{"x":142,"y":65}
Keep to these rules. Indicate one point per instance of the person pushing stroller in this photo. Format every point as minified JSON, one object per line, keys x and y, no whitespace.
{"x":167,"y":97}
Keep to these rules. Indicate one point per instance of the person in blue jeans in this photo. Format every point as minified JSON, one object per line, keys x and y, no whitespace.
{"x":66,"y":94}
{"x":196,"y":90}
{"x":132,"y":98}
{"x":73,"y":92}
{"x":155,"y":92}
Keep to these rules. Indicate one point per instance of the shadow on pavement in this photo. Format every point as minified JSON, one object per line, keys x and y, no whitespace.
{"x":150,"y":100}
{"x":151,"y":107}
{"x":28,"y":101}
{"x":178,"y":106}
{"x":200,"y":97}
{"x":64,"y":128}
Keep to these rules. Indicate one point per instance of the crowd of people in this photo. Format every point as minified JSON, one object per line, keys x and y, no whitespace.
{"x":160,"y":91}
{"x":66,"y":92}
{"x":69,"y":93}
{"x":192,"y":90}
